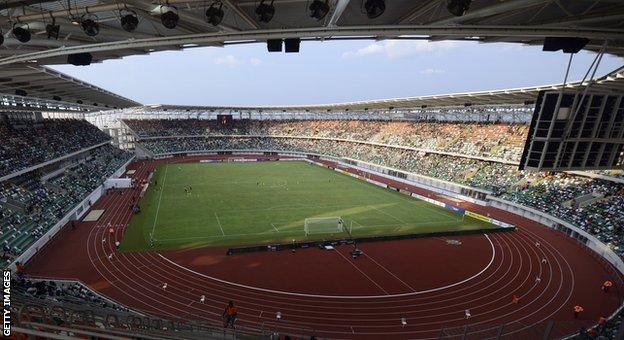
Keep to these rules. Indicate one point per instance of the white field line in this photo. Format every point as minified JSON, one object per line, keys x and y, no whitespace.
{"x":219,"y":222}
{"x":388,"y":214}
{"x":342,"y":296}
{"x":273,"y":225}
{"x":159,"y":200}
{"x":294,"y":232}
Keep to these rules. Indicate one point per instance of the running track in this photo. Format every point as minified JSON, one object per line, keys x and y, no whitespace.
{"x":325,"y":293}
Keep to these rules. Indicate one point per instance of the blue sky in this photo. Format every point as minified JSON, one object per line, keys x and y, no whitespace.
{"x":329,"y":72}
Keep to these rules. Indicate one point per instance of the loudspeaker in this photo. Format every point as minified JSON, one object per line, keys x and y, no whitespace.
{"x":568,"y":45}
{"x":292,"y":45}
{"x":274,"y":45}
{"x":80,"y":59}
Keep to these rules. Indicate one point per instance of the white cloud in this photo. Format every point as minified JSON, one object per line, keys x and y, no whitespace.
{"x":396,"y":49}
{"x":431,"y":71}
{"x":228,"y":60}
{"x":255,"y":61}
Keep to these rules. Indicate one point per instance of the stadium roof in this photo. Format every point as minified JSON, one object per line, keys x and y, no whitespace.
{"x":45,"y":83}
{"x":612,"y":82}
{"x":517,"y":21}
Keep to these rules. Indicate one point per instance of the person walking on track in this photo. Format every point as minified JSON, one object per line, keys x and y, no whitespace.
{"x":229,"y":315}
{"x":577,"y":311}
{"x":606,"y":285}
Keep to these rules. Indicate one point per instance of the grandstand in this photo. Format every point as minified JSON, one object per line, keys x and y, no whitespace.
{"x":406,"y":217}
{"x":476,"y":164}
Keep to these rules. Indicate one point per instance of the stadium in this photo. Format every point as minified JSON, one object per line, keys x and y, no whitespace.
{"x":469,"y":215}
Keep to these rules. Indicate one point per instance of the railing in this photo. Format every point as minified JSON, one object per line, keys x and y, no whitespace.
{"x":513,"y":330}
{"x":75,"y":213}
{"x":52,"y":161}
{"x":424,"y":150}
{"x":594,"y":245}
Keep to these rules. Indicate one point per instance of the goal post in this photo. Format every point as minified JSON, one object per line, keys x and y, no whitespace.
{"x":323,"y":225}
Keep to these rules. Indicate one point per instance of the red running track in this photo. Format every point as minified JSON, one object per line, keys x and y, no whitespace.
{"x":425,"y":281}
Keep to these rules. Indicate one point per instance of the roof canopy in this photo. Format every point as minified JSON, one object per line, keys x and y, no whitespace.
{"x":45,"y":83}
{"x":612,"y":82}
{"x":518,"y":21}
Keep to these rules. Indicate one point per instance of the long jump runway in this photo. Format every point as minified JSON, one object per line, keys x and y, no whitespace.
{"x":425,"y":282}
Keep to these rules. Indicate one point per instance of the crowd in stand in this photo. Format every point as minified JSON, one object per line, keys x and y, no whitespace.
{"x":61,"y":291}
{"x":26,"y":145}
{"x":552,"y":193}
{"x":502,"y":141}
{"x":30,"y":205}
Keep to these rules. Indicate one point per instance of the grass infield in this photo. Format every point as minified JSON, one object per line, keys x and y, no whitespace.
{"x":267,"y":202}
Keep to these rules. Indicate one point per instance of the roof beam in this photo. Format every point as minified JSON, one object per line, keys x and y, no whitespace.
{"x":503,"y":7}
{"x":336,"y":12}
{"x":418,"y":11}
{"x":22,"y":3}
{"x":234,"y":8}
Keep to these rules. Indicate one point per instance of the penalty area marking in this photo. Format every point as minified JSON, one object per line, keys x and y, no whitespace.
{"x":219,"y":222}
{"x":159,"y":199}
{"x":265,"y":290}
{"x":296,"y":232}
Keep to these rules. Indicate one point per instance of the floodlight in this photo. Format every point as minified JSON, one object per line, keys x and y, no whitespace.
{"x":21,"y":34}
{"x":129,"y":20}
{"x":374,"y":8}
{"x":265,"y":12}
{"x":89,"y":24}
{"x":170,"y":17}
{"x":319,"y":9}
{"x":458,"y":7}
{"x":214,"y":13}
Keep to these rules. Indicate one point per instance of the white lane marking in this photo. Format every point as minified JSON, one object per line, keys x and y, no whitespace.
{"x":341,"y":296}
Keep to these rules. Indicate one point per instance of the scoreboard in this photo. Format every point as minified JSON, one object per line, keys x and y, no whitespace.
{"x":573,"y":130}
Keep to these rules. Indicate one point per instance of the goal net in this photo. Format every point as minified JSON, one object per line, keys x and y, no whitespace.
{"x":323,"y":225}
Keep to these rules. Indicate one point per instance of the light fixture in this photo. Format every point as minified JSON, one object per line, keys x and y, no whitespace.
{"x":129,"y":20}
{"x":458,"y":7}
{"x":21,"y":34}
{"x":52,"y":30}
{"x":214,"y":14}
{"x":89,"y":24}
{"x":265,"y":12}
{"x":319,"y":9}
{"x":374,"y":8}
{"x":169,"y":17}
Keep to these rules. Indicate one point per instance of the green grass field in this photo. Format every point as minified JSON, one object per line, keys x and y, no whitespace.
{"x":267,"y":203}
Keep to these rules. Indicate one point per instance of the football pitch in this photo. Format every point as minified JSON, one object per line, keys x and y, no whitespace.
{"x":249,"y":203}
